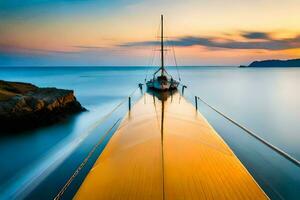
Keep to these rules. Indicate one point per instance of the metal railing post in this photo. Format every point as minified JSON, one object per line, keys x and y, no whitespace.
{"x":141,"y":86}
{"x":183,"y":87}
{"x":129,"y":103}
{"x":196,"y":102}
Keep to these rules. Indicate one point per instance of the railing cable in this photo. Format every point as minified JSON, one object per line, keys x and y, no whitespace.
{"x":271,"y":146}
{"x":80,"y":167}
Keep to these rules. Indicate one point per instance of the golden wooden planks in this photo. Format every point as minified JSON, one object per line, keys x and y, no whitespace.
{"x":187,"y":160}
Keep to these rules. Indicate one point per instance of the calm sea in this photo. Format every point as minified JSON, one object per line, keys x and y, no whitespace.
{"x":36,"y":164}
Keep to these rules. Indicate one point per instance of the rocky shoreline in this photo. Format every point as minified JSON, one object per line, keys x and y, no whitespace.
{"x":24,"y":106}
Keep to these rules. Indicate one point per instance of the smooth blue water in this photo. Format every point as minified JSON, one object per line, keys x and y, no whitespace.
{"x":266,"y":100}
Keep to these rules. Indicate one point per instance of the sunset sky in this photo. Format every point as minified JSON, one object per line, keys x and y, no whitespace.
{"x":122,"y":32}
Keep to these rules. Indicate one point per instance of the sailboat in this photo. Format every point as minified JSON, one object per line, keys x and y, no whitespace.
{"x":162,"y":80}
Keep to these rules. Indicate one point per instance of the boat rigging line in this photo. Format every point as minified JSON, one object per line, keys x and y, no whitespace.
{"x":174,"y":56}
{"x":152,"y":56}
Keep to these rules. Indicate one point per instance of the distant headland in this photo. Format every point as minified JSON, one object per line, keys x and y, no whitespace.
{"x":275,"y":63}
{"x":25,"y":106}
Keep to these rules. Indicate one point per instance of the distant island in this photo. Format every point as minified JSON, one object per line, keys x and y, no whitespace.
{"x":275,"y":63}
{"x":25,"y":106}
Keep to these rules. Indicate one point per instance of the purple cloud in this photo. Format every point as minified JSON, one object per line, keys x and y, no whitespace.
{"x":268,"y":43}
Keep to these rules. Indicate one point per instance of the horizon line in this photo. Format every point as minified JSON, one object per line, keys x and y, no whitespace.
{"x":2,"y":66}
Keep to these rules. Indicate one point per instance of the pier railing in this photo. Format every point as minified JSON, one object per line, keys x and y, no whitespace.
{"x":256,"y":136}
{"x":264,"y":160}
{"x":105,"y":128}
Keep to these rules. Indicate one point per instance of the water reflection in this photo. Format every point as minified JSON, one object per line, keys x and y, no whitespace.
{"x":162,"y":95}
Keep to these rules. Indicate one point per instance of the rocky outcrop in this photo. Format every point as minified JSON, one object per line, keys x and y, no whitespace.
{"x":25,"y":106}
{"x":275,"y":63}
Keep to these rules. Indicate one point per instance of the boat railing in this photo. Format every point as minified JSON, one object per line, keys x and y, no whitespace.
{"x":105,"y":127}
{"x":261,"y":158}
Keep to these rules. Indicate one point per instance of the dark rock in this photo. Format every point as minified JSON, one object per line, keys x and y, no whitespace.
{"x":25,"y":106}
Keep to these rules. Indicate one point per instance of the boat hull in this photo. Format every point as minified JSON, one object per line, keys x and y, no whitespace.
{"x":162,"y":85}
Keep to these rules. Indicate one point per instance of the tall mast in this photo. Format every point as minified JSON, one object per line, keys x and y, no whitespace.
{"x":162,"y":45}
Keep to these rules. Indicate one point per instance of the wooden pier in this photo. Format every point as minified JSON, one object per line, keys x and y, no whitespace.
{"x":167,"y":151}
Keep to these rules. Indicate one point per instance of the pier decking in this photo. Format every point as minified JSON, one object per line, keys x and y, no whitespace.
{"x":173,"y":154}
